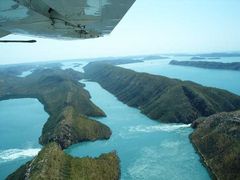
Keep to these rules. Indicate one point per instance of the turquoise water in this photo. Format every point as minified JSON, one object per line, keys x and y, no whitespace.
{"x":21,"y":122}
{"x":224,"y":79}
{"x":147,"y":149}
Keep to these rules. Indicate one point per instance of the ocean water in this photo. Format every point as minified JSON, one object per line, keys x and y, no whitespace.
{"x":223,"y":79}
{"x":148,"y":149}
{"x":21,"y":122}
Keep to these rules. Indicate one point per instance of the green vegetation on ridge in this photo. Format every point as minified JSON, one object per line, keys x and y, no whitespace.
{"x":52,"y":163}
{"x":66,"y":102}
{"x":68,"y":106}
{"x":159,"y":97}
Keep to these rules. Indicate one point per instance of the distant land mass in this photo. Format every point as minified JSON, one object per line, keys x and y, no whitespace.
{"x":197,"y":58}
{"x":120,"y":61}
{"x":53,"y":163}
{"x":130,"y":59}
{"x":213,"y":55}
{"x":214,"y":58}
{"x":220,"y":54}
{"x":208,"y":65}
{"x":17,"y":69}
{"x":161,"y":98}
{"x":152,"y":57}
{"x":217,"y":139}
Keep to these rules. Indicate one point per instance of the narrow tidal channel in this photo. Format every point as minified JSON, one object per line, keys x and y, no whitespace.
{"x":147,"y":149}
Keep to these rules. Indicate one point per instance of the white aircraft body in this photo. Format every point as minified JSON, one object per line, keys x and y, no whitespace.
{"x":61,"y":19}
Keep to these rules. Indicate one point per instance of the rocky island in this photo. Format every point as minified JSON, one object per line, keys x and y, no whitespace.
{"x":161,"y":98}
{"x":217,"y":139}
{"x":208,"y":64}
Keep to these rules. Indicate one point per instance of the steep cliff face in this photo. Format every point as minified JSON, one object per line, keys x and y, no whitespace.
{"x":217,"y":139}
{"x":162,"y":98}
{"x":66,"y":102}
{"x":52,"y":163}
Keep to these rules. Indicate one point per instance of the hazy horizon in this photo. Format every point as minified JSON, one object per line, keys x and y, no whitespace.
{"x":152,"y":27}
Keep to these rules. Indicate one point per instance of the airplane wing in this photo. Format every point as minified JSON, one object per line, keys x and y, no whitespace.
{"x":62,"y":18}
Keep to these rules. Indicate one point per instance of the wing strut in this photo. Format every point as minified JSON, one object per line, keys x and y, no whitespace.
{"x":18,"y":41}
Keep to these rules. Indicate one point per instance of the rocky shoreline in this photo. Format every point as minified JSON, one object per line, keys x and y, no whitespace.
{"x":203,"y":160}
{"x":217,"y":140}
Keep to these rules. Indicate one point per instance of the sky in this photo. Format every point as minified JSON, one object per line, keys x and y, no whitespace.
{"x":149,"y":27}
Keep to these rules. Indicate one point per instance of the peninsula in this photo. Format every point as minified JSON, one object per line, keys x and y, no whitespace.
{"x":66,"y":102}
{"x":161,"y":98}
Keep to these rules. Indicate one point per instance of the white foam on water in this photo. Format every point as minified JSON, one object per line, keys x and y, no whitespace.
{"x":161,"y":127}
{"x":12,"y":154}
{"x":152,"y":160}
{"x":146,"y":166}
